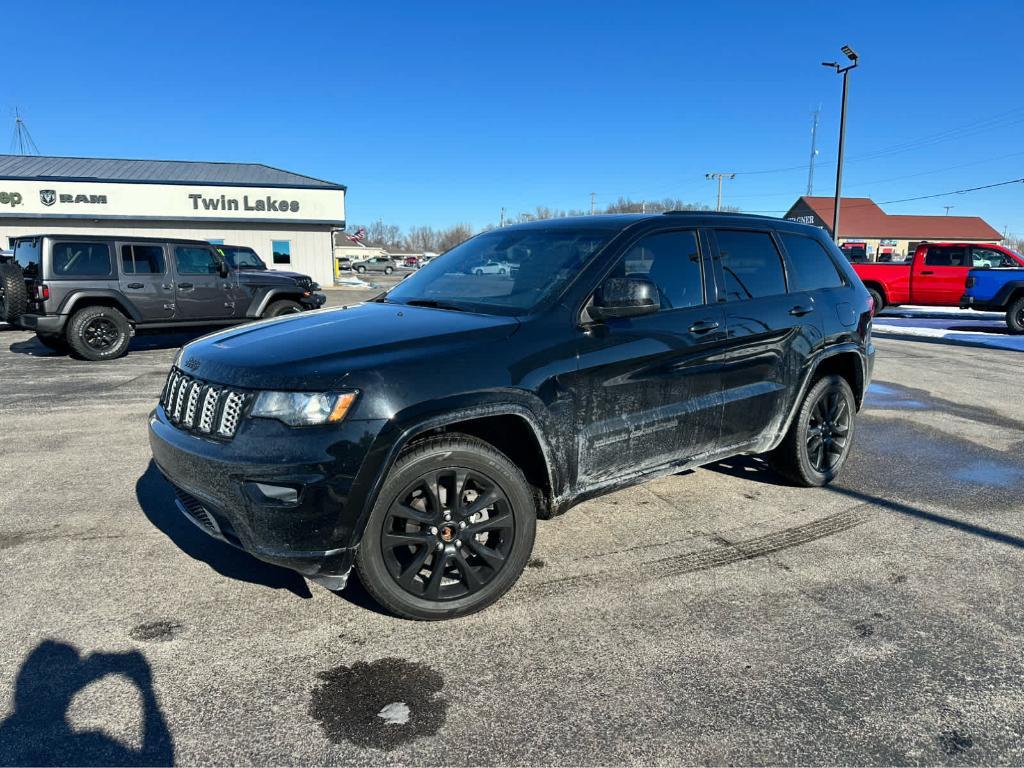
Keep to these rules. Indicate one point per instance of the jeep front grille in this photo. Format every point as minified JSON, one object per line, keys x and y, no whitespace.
{"x":197,"y":406}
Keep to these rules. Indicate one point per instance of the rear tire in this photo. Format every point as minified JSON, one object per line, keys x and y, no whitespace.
{"x":451,"y":531}
{"x":879,"y":302}
{"x":99,"y":333}
{"x":56,"y":343}
{"x":1015,"y":316}
{"x":282,"y":307}
{"x":13,"y":294}
{"x":388,"y":270}
{"x":819,"y":439}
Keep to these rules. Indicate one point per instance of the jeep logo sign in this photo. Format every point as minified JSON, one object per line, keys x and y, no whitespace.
{"x":10,"y":198}
{"x":47,"y":196}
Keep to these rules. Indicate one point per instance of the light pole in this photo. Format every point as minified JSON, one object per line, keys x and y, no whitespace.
{"x":845,"y":72}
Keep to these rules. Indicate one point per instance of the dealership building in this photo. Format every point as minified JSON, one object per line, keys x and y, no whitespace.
{"x":287,"y":218}
{"x":866,"y":231}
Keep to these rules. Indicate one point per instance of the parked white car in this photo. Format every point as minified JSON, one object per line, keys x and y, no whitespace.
{"x":493,"y":268}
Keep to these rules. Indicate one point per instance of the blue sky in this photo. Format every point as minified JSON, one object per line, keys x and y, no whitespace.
{"x":436,"y":113}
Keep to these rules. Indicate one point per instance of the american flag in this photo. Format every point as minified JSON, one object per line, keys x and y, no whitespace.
{"x":358,"y":236}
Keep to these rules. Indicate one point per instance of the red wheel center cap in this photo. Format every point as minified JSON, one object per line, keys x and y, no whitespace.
{"x":447,"y":534}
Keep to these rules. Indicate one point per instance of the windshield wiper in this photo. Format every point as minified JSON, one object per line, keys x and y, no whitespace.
{"x":434,"y":304}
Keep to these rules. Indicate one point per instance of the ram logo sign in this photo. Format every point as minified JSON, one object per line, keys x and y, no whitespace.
{"x":47,"y":196}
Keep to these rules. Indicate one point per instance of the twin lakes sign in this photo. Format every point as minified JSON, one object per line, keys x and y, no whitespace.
{"x":100,"y":200}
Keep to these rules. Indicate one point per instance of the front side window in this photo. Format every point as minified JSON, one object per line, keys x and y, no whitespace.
{"x":282,"y":250}
{"x":946,"y":256}
{"x":540,"y":262}
{"x":813,"y":268}
{"x":671,"y":260}
{"x":28,"y":256}
{"x":990,"y":257}
{"x":142,"y":260}
{"x":751,"y":265}
{"x":81,"y":260}
{"x":242,"y":258}
{"x":193,"y":260}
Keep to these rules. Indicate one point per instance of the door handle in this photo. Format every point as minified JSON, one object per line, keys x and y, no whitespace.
{"x":927,"y":272}
{"x":800,"y":310}
{"x":703,"y":326}
{"x":186,"y":286}
{"x":135,"y":285}
{"x":167,"y":286}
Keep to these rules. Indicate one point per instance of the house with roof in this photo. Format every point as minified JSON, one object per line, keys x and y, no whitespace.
{"x":287,"y":218}
{"x":866,"y":231}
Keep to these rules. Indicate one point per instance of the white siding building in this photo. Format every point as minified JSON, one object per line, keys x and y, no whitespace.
{"x":287,"y":218}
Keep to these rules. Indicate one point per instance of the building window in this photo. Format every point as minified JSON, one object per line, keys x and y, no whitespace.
{"x":282,"y":250}
{"x":218,"y":241}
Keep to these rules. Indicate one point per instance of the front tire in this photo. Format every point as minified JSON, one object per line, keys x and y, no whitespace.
{"x":388,"y":270}
{"x":819,"y":439}
{"x":451,"y":531}
{"x":282,"y":307}
{"x":99,"y":333}
{"x":1015,"y":316}
{"x":361,"y":270}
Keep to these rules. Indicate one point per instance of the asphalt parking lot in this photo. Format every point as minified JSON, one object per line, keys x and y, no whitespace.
{"x":717,"y":616}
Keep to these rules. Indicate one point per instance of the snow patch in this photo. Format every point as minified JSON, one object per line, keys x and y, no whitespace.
{"x":396,"y":713}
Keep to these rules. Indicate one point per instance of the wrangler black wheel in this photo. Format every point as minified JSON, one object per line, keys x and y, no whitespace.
{"x":819,"y":439}
{"x":451,"y":531}
{"x":99,"y":333}
{"x":1015,"y":316}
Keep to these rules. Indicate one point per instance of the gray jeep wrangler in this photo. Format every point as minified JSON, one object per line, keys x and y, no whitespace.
{"x":89,"y":294}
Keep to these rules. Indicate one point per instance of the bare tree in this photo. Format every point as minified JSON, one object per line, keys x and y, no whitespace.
{"x":423,"y":239}
{"x":454,"y":235}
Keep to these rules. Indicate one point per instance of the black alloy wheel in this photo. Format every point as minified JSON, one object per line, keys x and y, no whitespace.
{"x":1015,"y":316}
{"x":819,"y":439}
{"x":450,"y":532}
{"x":100,"y":334}
{"x":828,"y":431}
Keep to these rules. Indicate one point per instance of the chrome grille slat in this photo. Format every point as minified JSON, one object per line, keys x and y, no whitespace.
{"x":196,"y":406}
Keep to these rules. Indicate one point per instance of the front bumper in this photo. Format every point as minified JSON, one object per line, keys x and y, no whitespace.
{"x":314,"y":300}
{"x":221,"y":487}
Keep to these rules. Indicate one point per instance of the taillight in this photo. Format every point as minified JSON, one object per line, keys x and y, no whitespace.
{"x":871,"y":305}
{"x":41,"y":292}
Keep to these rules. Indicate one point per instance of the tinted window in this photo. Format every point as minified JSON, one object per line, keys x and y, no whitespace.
{"x":282,"y":251}
{"x":812,"y":266}
{"x":672,"y":261}
{"x":193,"y":260}
{"x":242,"y":258}
{"x":751,"y":265}
{"x":946,"y":256}
{"x":27,"y":255}
{"x":990,"y":257}
{"x":142,"y":259}
{"x":81,"y":259}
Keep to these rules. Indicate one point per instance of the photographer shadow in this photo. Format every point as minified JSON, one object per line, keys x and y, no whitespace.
{"x":38,"y":731}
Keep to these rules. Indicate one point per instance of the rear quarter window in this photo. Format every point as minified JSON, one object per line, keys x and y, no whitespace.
{"x":81,"y":260}
{"x":813,"y":269}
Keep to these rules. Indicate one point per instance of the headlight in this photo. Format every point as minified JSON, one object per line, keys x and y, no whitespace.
{"x":303,"y":409}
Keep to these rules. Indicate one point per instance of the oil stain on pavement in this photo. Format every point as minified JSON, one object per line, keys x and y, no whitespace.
{"x":155,"y":631}
{"x":381,"y":704}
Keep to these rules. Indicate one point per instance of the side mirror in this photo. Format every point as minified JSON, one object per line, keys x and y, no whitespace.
{"x":619,"y":297}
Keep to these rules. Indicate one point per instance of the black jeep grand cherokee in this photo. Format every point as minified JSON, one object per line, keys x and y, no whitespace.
{"x":420,"y":435}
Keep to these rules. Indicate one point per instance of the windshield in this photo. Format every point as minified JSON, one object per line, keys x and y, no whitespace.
{"x":503,"y":272}
{"x":242,"y":258}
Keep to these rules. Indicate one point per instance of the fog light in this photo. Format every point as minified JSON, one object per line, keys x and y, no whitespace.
{"x":279,"y":493}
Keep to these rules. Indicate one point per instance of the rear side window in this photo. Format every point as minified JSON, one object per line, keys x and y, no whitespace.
{"x":946,"y":256}
{"x":990,"y":257}
{"x":81,"y":260}
{"x":751,"y":265}
{"x":27,"y":255}
{"x":812,"y":267}
{"x":193,"y":260}
{"x":142,"y":260}
{"x":672,"y":261}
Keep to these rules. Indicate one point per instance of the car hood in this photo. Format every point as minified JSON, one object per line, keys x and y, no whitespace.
{"x":269,"y":276}
{"x":334,"y":348}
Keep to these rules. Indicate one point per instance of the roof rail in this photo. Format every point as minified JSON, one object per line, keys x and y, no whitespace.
{"x":722,"y":213}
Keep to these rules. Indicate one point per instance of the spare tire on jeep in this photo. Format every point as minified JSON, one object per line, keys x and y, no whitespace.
{"x":13,"y":294}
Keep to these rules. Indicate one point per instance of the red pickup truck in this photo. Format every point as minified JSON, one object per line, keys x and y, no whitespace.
{"x":936,"y":275}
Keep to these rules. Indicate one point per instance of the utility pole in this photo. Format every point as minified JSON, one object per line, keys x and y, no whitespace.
{"x":719,"y":176}
{"x":502,"y":224}
{"x":814,"y":151}
{"x":947,"y":207}
{"x":643,"y":206}
{"x":593,"y":198}
{"x":845,"y":72}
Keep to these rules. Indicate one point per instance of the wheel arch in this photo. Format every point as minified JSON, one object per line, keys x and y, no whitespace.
{"x":262,"y":300}
{"x":99,"y":298}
